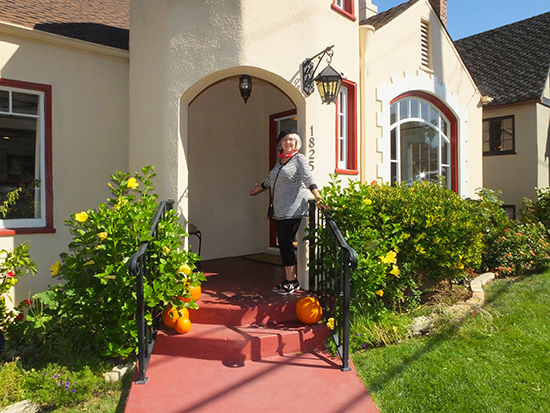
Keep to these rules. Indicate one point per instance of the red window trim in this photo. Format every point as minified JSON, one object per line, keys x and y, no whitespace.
{"x":438,"y":103}
{"x":348,"y":11}
{"x":352,"y":130}
{"x":47,"y":90}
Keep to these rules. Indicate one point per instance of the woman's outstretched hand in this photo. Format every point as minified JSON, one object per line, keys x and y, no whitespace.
{"x":257,"y":189}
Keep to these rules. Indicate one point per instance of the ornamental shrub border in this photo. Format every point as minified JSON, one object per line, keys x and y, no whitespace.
{"x":92,"y":311}
{"x":409,"y":236}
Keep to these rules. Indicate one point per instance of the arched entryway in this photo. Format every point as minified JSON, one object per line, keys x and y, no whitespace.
{"x":227,"y":153}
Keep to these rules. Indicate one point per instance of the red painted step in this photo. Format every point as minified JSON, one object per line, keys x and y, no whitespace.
{"x":241,"y":319}
{"x":268,"y":310}
{"x":233,"y":344}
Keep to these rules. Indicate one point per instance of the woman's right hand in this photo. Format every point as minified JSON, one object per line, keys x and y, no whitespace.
{"x":257,"y":189}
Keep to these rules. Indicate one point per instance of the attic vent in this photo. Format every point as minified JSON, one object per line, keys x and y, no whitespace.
{"x":425,"y":43}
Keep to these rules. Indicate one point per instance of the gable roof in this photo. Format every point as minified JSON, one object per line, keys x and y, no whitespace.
{"x":104,"y":22}
{"x":381,"y":19}
{"x":511,"y":63}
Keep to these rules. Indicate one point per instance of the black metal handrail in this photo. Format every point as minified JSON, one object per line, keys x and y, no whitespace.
{"x":331,"y":261}
{"x":140,"y":268}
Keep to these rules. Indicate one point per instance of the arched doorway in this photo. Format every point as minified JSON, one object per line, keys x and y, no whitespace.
{"x":228,"y":151}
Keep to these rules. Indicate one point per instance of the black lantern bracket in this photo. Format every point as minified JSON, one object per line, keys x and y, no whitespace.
{"x":328,"y":91}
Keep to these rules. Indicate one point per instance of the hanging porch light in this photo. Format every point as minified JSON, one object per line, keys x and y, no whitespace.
{"x":328,"y":81}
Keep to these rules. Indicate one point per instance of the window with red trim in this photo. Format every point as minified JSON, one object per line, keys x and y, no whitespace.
{"x":25,"y":157}
{"x":346,"y":7}
{"x":423,"y":140}
{"x":346,"y":129}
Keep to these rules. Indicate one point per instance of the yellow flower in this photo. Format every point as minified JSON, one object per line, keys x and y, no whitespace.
{"x":81,"y":216}
{"x":390,"y":258}
{"x":102,"y":235}
{"x":132,"y":183}
{"x":420,"y":249}
{"x":330,"y":323}
{"x":166,"y":249}
{"x":89,"y":262}
{"x":380,"y":293}
{"x":54,"y":269}
{"x":395,"y":270}
{"x":186,"y":269}
{"x":394,"y":329}
{"x":367,"y":201}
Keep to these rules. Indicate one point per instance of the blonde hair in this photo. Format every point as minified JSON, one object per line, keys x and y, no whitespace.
{"x":296,"y":138}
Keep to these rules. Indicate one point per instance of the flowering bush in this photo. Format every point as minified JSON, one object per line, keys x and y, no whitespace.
{"x":512,"y":247}
{"x":375,"y":239}
{"x":519,"y":249}
{"x":94,"y":309}
{"x":13,"y":264}
{"x":405,"y":236}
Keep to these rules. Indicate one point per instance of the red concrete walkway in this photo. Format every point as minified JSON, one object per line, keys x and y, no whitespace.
{"x":255,"y":380}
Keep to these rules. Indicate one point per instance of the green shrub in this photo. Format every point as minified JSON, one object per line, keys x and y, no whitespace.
{"x":93,"y":311}
{"x":519,"y":248}
{"x":442,"y":238}
{"x":13,"y":264}
{"x":537,"y":211}
{"x":512,"y":246}
{"x":12,"y":383}
{"x":51,"y":387}
{"x":58,"y":386}
{"x":375,"y":239}
{"x":422,"y":232}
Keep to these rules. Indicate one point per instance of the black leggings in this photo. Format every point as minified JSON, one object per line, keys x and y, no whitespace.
{"x":286,"y":233}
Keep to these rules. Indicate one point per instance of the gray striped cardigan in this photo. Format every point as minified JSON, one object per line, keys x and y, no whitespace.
{"x":290,"y":199}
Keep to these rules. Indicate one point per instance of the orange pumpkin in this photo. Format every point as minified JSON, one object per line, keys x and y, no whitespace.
{"x":183,"y":325}
{"x":195,"y":294}
{"x":169,"y":316}
{"x":308,"y":310}
{"x":183,"y":312}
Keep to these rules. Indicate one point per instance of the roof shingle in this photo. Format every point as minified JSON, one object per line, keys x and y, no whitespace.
{"x":103,"y":22}
{"x":383,"y":18}
{"x":511,"y":63}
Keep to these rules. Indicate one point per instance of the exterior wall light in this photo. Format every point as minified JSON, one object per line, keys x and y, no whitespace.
{"x":245,"y":86}
{"x":328,"y":81}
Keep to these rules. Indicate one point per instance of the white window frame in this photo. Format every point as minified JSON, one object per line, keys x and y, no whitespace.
{"x":40,"y":160}
{"x":343,"y":125}
{"x":395,"y":132}
{"x":340,"y":3}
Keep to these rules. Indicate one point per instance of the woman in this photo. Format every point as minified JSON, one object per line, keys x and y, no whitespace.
{"x":289,"y":181}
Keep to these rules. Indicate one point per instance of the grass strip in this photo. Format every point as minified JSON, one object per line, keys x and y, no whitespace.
{"x":495,"y":361}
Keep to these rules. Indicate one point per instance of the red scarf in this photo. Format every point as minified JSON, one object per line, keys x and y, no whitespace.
{"x":287,"y":155}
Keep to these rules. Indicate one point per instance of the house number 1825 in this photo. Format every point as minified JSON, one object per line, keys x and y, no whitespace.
{"x":311,"y":150}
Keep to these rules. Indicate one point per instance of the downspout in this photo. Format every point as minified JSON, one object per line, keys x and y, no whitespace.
{"x":365,"y":34}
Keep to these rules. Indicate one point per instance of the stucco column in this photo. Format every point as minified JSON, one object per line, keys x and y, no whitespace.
{"x":365,"y":33}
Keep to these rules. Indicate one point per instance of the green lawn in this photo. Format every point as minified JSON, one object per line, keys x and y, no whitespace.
{"x":496,"y":361}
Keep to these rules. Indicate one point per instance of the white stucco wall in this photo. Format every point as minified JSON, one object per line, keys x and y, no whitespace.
{"x":89,"y":129}
{"x":180,"y":49}
{"x":175,"y":46}
{"x":393,"y":66}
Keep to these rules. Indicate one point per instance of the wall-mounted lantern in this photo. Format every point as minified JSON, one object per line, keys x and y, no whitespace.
{"x":328,"y":81}
{"x":245,"y":86}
